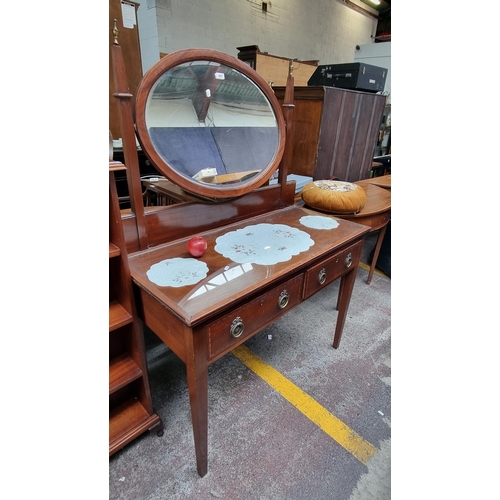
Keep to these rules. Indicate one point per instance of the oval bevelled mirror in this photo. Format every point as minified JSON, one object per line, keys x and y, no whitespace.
{"x":209,"y":123}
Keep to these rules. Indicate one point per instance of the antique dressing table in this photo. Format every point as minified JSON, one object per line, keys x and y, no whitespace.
{"x":195,"y":111}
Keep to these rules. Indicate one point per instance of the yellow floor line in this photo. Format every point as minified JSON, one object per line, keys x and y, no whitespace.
{"x":375,"y":271}
{"x":329,"y":423}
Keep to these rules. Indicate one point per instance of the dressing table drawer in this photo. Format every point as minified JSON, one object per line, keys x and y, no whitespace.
{"x":245,"y":320}
{"x":331,"y":268}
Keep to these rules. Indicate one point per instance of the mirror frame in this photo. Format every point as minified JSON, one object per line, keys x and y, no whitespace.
{"x":216,"y":192}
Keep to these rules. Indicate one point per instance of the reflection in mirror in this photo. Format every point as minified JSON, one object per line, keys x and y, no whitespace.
{"x":211,"y":123}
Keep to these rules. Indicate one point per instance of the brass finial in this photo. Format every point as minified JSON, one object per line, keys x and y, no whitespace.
{"x":290,"y":67}
{"x":115,"y":32}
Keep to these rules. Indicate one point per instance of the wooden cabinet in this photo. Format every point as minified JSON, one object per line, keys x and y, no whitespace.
{"x":334,"y":132}
{"x":130,"y":405}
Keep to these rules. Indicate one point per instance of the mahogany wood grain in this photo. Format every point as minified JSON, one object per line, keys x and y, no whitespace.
{"x":193,"y":321}
{"x":196,"y":326}
{"x":128,"y":142}
{"x":122,"y":371}
{"x":378,"y":200}
{"x":115,"y":166}
{"x":177,"y":221}
{"x":345,"y":291}
{"x":376,"y":213}
{"x":196,"y":311}
{"x":259,"y":312}
{"x":131,"y":408}
{"x":129,"y":40}
{"x":288,"y":107}
{"x":128,"y":421}
{"x":164,"y":323}
{"x":118,"y":316}
{"x":383,"y":181}
{"x":197,"y":378}
{"x":114,"y":251}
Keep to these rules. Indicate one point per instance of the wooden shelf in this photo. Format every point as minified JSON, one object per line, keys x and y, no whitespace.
{"x":114,"y":251}
{"x":126,"y":422}
{"x":114,"y":166}
{"x":129,"y":392}
{"x":122,"y":371}
{"x":118,"y":316}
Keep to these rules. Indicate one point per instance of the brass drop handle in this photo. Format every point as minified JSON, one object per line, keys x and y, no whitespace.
{"x":237,"y":327}
{"x":348,"y":260}
{"x":283,"y":299}
{"x":322,"y":276}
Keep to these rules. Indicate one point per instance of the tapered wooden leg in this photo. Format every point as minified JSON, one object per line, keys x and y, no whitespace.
{"x":380,"y":239}
{"x":339,"y":298}
{"x":197,"y":378}
{"x":345,"y":291}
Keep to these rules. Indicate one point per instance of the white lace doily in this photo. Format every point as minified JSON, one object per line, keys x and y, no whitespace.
{"x":318,"y":222}
{"x":177,"y":272}
{"x":265,"y":244}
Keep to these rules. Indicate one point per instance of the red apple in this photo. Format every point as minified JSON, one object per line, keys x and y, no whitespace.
{"x":197,"y":246}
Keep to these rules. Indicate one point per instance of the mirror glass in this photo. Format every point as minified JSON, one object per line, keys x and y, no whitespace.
{"x":212,"y":125}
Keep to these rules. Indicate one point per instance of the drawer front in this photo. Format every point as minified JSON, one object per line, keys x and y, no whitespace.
{"x":245,"y":320}
{"x":330,"y":269}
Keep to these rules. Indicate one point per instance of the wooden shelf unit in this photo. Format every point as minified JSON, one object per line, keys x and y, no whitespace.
{"x":130,"y":405}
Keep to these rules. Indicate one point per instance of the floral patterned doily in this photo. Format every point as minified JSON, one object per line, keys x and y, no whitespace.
{"x":340,"y":186}
{"x":177,"y":272}
{"x":318,"y":222}
{"x":265,"y":244}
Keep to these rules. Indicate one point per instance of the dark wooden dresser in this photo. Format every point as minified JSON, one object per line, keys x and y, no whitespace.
{"x":335,"y":132}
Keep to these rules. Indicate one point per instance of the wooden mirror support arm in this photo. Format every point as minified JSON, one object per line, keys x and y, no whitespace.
{"x":288,"y":107}
{"x":131,"y":158}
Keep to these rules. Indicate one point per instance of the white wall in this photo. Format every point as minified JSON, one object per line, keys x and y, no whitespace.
{"x":327,"y":30}
{"x":148,"y":33}
{"x":377,"y":54}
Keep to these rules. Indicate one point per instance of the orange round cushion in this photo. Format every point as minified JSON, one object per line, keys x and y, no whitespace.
{"x":337,"y":197}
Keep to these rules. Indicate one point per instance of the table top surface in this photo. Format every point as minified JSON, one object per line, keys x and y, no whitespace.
{"x":378,"y":200}
{"x":381,"y":181}
{"x":240,"y":259}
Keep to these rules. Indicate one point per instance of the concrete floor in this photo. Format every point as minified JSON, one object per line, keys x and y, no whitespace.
{"x":260,"y":445}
